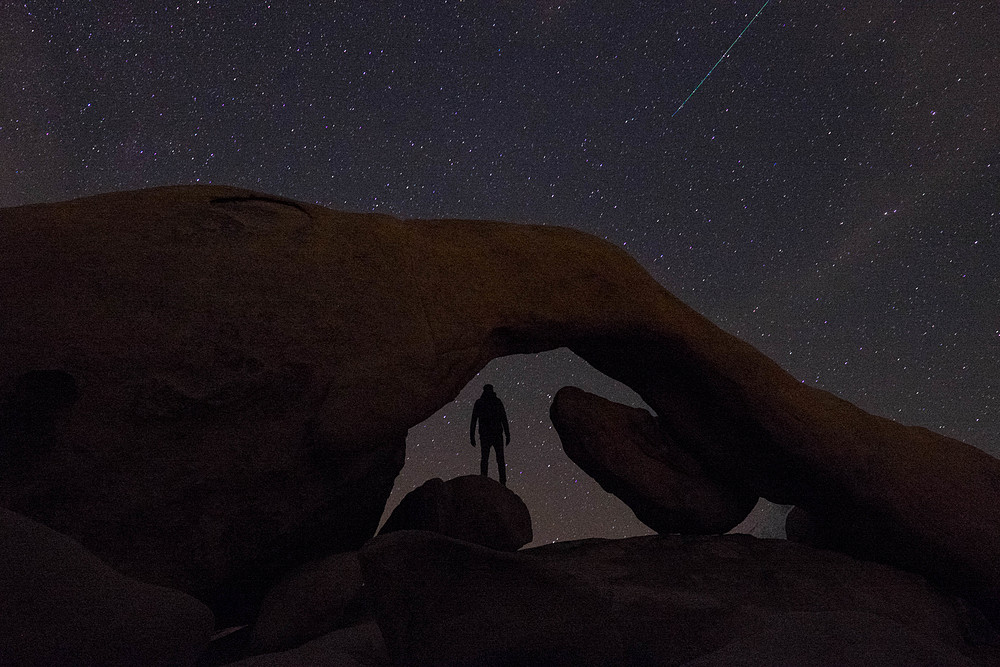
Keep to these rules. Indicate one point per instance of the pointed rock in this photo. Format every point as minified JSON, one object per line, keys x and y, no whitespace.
{"x":624,"y":449}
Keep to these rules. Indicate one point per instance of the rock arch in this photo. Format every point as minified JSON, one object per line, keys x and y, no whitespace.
{"x":249,"y":390}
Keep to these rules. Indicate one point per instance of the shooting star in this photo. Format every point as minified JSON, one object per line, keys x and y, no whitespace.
{"x":720,"y":59}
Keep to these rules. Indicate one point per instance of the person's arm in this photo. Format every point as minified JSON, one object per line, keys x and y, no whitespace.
{"x":472,"y":426}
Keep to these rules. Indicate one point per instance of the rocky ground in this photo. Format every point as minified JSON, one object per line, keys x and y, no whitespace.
{"x":415,"y":597}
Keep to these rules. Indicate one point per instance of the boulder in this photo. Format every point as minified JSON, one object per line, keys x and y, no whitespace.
{"x":317,"y":599}
{"x":707,"y":600}
{"x":473,"y":508}
{"x":61,"y":605}
{"x":624,"y":449}
{"x":246,"y":368}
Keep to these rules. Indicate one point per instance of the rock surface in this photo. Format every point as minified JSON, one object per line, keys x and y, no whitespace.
{"x":473,"y":508}
{"x":360,"y":645}
{"x":721,"y":600}
{"x":60,"y":605}
{"x":892,"y":493}
{"x":317,"y":599}
{"x":247,"y":368}
{"x":624,"y":450}
{"x":801,"y":526}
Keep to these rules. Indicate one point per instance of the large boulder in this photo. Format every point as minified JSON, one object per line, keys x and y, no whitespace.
{"x":720,"y":600}
{"x":61,"y":605}
{"x":317,"y":599}
{"x":473,"y":508}
{"x":246,"y":368}
{"x":624,"y":449}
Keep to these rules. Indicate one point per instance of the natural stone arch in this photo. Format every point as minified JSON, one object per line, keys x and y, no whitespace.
{"x":251,"y":375}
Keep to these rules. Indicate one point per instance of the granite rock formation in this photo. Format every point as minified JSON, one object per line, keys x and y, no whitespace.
{"x":893,"y":493}
{"x":319,"y":598}
{"x":473,"y":508}
{"x":60,"y":605}
{"x":326,"y":595}
{"x":717,"y":600}
{"x":246,"y":368}
{"x":624,"y":449}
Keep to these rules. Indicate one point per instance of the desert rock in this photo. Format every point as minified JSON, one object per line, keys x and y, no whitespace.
{"x":60,"y":605}
{"x":315,"y":600}
{"x":247,"y":366}
{"x":717,"y":600}
{"x":473,"y":508}
{"x":625,"y":451}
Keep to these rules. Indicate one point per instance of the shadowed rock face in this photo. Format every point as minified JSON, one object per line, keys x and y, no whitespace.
{"x":624,"y":449}
{"x":318,"y":598}
{"x":247,"y":368}
{"x":881,"y":490}
{"x":61,"y":605}
{"x":720,"y":600}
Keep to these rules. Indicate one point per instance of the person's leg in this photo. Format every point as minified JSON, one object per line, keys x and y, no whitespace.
{"x":484,"y":461}
{"x":501,"y":466}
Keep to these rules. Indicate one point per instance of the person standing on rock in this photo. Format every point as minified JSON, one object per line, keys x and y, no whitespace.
{"x":493,"y":431}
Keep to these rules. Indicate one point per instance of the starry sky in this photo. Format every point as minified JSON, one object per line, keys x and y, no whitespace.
{"x":831,"y":193}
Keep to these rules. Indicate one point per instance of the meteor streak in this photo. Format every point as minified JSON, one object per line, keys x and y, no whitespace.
{"x":720,"y":59}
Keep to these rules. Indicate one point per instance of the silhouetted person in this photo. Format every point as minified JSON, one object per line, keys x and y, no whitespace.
{"x":493,"y":431}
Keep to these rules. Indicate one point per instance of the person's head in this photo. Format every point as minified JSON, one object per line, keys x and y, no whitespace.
{"x":487,"y":389}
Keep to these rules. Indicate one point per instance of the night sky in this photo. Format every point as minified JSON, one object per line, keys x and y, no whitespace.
{"x":831,"y":193}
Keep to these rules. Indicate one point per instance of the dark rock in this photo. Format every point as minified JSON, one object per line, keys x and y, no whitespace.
{"x":317,"y":599}
{"x":721,"y":600}
{"x":227,"y":645}
{"x":360,"y":645}
{"x":624,"y":449}
{"x":473,"y":508}
{"x":30,"y":414}
{"x":248,"y":367}
{"x":896,"y":494}
{"x":830,"y":639}
{"x":800,"y":527}
{"x":803,"y":527}
{"x":60,"y":605}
